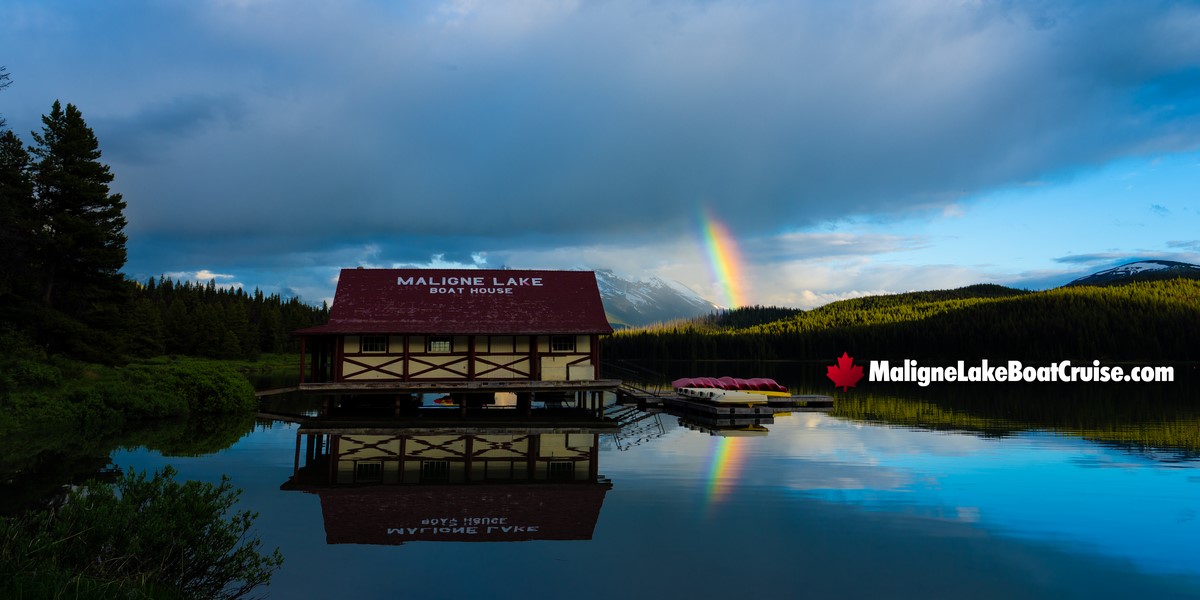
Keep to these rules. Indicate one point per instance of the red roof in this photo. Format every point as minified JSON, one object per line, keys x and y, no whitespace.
{"x":465,"y":301}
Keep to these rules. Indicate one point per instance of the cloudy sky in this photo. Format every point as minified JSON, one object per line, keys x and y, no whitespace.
{"x":848,"y":147}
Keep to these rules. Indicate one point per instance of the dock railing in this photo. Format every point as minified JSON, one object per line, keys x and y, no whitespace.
{"x":636,"y":379}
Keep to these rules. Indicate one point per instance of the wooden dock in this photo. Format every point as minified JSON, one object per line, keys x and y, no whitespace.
{"x":435,"y":387}
{"x":653,"y":399}
{"x":695,"y":405}
{"x":728,"y":427}
{"x":644,"y":398}
{"x":430,"y":421}
{"x":276,"y":391}
{"x":801,"y":403}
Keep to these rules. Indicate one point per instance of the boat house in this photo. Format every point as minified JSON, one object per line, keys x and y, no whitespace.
{"x":483,"y":330}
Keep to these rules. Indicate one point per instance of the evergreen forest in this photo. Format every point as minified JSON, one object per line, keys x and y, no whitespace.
{"x":1138,"y":321}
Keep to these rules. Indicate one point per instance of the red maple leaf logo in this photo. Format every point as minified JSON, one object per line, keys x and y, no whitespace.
{"x":845,"y":374}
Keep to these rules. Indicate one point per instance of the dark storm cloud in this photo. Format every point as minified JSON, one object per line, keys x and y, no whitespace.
{"x":313,"y":123}
{"x":149,"y":134}
{"x":311,"y":262}
{"x":163,"y":253}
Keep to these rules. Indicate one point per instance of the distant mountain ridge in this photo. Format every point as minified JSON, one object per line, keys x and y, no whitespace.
{"x":633,"y":303}
{"x":643,"y":302}
{"x":1142,"y":270}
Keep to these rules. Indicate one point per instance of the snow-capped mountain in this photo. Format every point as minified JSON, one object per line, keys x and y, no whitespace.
{"x":1143,"y":270}
{"x":630,"y":303}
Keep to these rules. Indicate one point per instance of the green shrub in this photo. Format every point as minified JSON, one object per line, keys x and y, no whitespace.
{"x":140,"y":537}
{"x":37,"y":392}
{"x":203,"y":386}
{"x":35,"y":374}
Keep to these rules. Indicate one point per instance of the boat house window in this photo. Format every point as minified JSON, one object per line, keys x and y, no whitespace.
{"x":561,"y":470}
{"x":435,"y":471}
{"x":439,"y":345}
{"x":562,"y":343}
{"x":368,"y":471}
{"x":374,"y":343}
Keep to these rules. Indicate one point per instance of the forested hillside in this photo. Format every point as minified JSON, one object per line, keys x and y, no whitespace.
{"x":1139,"y":321}
{"x":725,"y":319}
{"x":204,"y":320}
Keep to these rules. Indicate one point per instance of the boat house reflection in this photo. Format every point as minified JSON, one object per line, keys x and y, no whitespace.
{"x":380,"y":486}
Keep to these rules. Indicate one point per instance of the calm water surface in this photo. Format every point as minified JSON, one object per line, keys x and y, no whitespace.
{"x":817,"y":506}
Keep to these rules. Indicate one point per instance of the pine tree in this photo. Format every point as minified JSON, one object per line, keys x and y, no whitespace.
{"x":5,"y":81}
{"x":143,"y":329}
{"x":178,"y":328}
{"x":17,"y":216}
{"x":84,"y":224}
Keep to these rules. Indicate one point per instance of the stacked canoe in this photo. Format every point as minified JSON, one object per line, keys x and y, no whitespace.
{"x":760,"y":385}
{"x":729,"y":390}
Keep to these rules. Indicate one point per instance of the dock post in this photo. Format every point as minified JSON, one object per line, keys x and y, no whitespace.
{"x":467,"y":455}
{"x":296,"y":461}
{"x":594,"y":459}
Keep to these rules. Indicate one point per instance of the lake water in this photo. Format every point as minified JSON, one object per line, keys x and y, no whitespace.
{"x":811,"y":505}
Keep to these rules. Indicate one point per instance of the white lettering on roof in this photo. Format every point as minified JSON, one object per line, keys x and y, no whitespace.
{"x":477,"y":285}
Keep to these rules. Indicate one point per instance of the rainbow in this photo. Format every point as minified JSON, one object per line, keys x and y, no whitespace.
{"x":723,"y":259}
{"x":724,"y":469}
